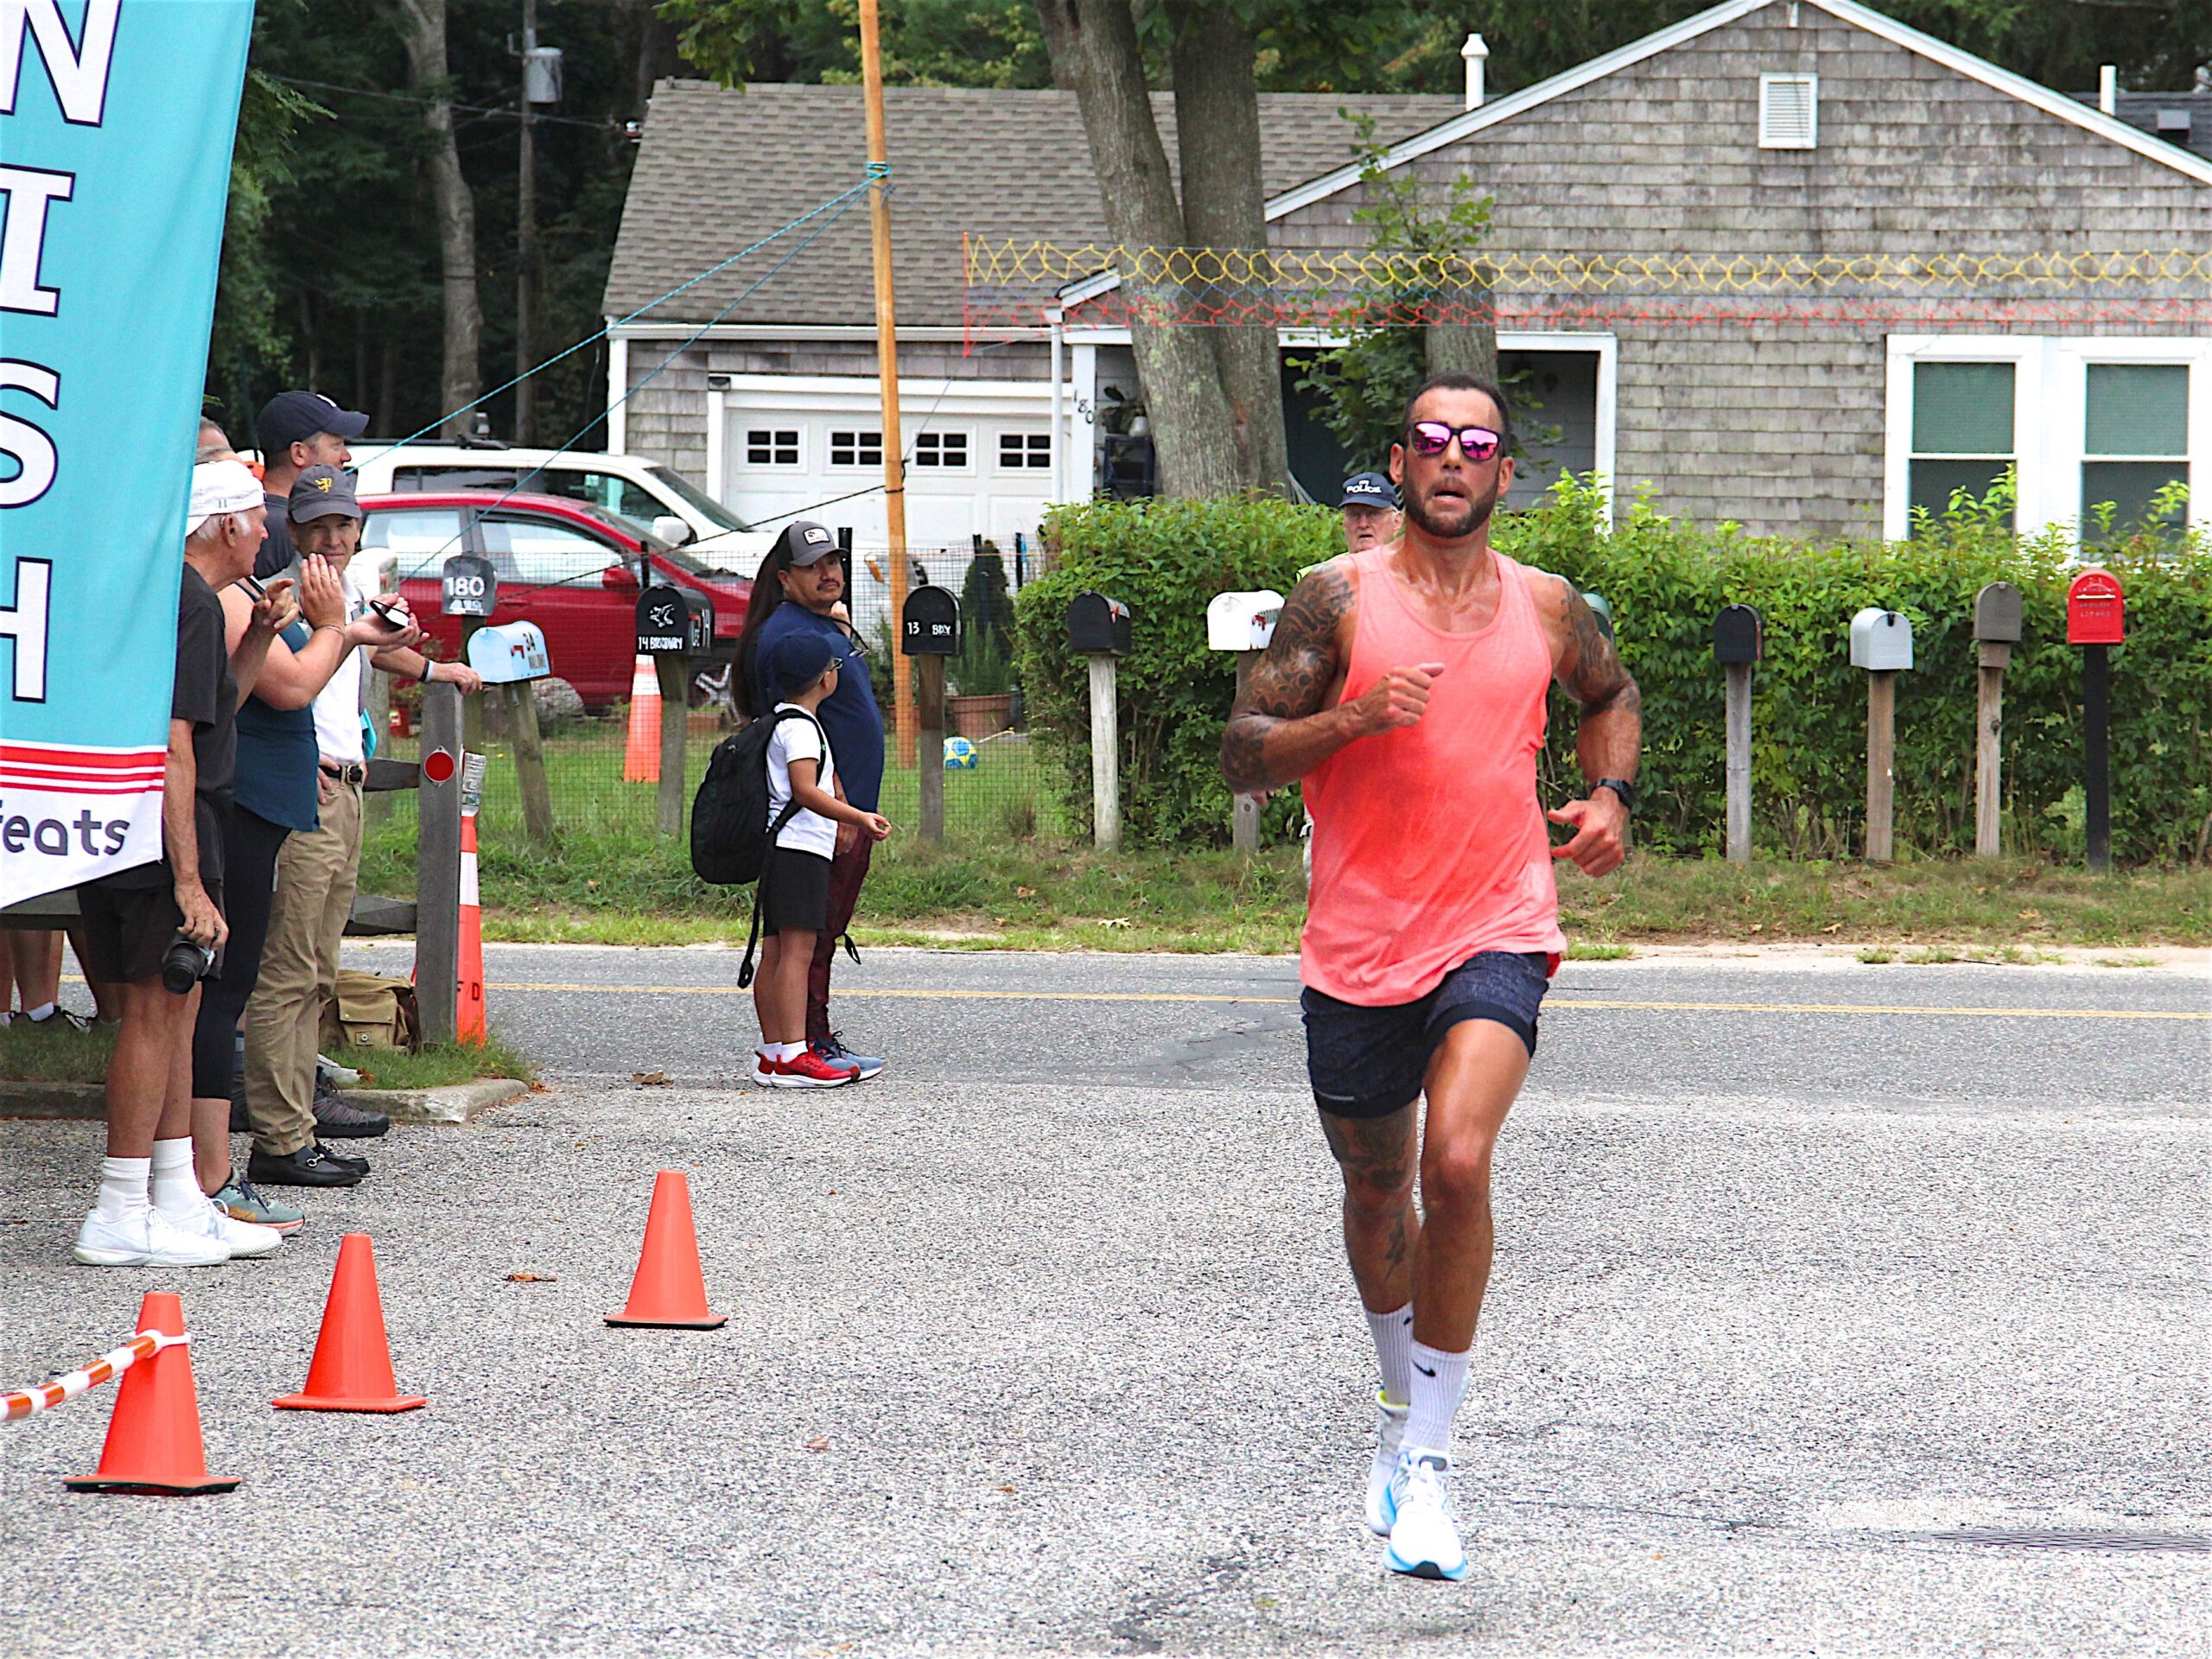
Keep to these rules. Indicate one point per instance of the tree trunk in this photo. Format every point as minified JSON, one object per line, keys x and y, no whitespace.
{"x":422,"y":31}
{"x":1224,"y":207}
{"x":657,"y":51}
{"x":1095,"y":42}
{"x":1470,"y":345}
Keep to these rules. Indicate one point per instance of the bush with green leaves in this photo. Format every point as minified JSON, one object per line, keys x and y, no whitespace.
{"x":1665,"y":579}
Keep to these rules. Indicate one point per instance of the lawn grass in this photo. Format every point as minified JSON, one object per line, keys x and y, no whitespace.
{"x":69,"y":1056}
{"x":75,"y":1056}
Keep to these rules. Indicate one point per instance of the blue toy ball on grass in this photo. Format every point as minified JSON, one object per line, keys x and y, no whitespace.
{"x":961,"y":755}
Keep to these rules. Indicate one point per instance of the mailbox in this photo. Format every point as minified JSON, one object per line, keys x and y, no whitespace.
{"x":469,"y":586}
{"x":1098,"y":627}
{"x":1603,"y":610}
{"x":1881,"y":639}
{"x":509,"y":653}
{"x":2096,"y":611}
{"x":930,"y":626}
{"x":1243,"y":621}
{"x":674,"y":621}
{"x":1738,"y":635}
{"x":1997,"y":614}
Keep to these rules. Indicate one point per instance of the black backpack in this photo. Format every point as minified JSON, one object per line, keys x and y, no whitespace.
{"x":730,"y":831}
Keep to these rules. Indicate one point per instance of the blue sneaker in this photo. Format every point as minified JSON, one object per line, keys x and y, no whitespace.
{"x":241,"y":1200}
{"x":835,"y":1053}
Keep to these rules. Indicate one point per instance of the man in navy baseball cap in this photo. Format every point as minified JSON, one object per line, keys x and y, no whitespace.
{"x":296,"y":430}
{"x":1369,"y":504}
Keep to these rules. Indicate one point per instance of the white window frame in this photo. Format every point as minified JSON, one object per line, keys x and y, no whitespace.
{"x":1028,"y":465}
{"x":2051,"y":416}
{"x":967,"y":440}
{"x":744,"y":450}
{"x":1812,"y":85}
{"x":860,"y":435}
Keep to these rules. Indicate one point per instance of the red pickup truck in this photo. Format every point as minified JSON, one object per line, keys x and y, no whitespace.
{"x":573,"y":570}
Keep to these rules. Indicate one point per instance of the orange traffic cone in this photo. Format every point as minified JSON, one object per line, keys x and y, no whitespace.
{"x":351,"y":1368}
{"x":669,"y":1288}
{"x":641,"y":760}
{"x":153,"y":1440}
{"x":468,"y":1008}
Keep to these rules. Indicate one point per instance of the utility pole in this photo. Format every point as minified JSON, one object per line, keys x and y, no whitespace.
{"x":886,"y":362}
{"x":526,"y":230}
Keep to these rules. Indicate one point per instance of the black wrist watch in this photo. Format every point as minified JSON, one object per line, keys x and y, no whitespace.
{"x":1620,"y":786}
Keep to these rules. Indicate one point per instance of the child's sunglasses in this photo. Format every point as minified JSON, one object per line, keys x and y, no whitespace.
{"x":1431,"y":438}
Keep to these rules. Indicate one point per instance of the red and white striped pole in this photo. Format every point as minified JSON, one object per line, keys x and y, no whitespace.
{"x":469,"y":1024}
{"x":44,"y":1396}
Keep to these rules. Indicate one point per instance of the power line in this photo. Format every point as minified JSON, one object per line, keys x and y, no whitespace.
{"x":498,"y":112}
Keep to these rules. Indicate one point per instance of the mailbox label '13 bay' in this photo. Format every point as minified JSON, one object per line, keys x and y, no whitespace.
{"x":116,"y":121}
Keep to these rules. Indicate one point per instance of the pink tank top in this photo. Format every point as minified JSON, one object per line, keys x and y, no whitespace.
{"x":1430,"y":844}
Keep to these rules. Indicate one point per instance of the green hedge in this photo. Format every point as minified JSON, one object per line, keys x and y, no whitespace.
{"x":1665,"y":579}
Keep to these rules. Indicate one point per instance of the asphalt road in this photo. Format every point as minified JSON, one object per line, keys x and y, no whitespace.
{"x":1843,"y":1310}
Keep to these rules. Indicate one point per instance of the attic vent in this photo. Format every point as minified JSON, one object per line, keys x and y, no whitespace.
{"x":1789,"y":111}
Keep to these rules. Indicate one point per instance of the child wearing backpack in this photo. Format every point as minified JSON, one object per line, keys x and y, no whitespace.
{"x":794,"y":893}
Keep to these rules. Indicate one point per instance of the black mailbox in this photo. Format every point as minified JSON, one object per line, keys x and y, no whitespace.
{"x":1738,"y":635}
{"x":469,"y":586}
{"x":1098,"y":627}
{"x":931,"y":626}
{"x":674,"y":621}
{"x":1997,"y":614}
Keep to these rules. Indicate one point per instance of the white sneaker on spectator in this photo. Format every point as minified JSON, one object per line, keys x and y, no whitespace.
{"x":145,"y":1240}
{"x":242,"y":1238}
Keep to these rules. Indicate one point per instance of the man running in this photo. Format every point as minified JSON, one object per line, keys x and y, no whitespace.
{"x":1406,"y":687}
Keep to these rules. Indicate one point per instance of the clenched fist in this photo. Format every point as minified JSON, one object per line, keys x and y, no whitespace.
{"x":1398,"y":699}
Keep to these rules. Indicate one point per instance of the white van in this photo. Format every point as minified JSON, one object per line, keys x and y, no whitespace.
{"x":657,"y":500}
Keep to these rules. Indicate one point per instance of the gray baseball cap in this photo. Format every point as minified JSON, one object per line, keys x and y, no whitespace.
{"x":321,"y":493}
{"x":807,"y":542}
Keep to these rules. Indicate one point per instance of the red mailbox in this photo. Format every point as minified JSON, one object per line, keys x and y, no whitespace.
{"x":2096,"y":610}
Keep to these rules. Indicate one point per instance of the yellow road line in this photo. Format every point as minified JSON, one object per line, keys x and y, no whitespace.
{"x":1551,"y":1002}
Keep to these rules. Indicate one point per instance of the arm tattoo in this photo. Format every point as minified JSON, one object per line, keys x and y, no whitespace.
{"x":1590,"y":668}
{"x":1290,"y":680}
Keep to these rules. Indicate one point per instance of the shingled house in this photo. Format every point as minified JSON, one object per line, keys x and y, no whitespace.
{"x":1786,"y":263}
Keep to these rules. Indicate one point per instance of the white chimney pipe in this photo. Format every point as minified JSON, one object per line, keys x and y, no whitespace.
{"x":1474,"y":52}
{"x":2108,"y":90}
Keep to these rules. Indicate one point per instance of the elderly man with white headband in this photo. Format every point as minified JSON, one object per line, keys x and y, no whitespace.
{"x":151,"y":1212}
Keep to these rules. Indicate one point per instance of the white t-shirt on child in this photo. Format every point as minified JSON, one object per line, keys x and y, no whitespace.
{"x":798,"y":740}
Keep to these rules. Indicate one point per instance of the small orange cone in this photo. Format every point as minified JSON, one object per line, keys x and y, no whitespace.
{"x":351,"y":1368}
{"x":641,"y":760}
{"x":469,"y":1009}
{"x":153,"y":1440}
{"x":669,"y":1288}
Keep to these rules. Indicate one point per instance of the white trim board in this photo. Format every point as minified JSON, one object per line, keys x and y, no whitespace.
{"x":2085,"y":116}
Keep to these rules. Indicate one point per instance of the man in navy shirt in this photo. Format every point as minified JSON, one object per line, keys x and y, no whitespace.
{"x":801,"y":582}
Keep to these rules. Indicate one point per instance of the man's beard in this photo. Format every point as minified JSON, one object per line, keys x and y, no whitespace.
{"x":1449,"y":526}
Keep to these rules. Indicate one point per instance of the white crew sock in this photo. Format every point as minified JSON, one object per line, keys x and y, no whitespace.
{"x":783,"y":1050}
{"x":175,"y":1185}
{"x":1393,"y":1348}
{"x":123,"y":1187}
{"x":1440,"y":1383}
{"x":43,"y":1012}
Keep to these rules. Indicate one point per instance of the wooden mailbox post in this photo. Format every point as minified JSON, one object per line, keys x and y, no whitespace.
{"x":1244,"y":623}
{"x":468,"y":587}
{"x":1738,"y":642}
{"x":1099,"y":629}
{"x":1996,"y":630}
{"x":510,"y":655}
{"x":929,"y":631}
{"x":1881,"y":643}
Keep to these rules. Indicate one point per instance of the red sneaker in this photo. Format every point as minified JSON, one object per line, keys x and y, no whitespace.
{"x":807,"y":1070}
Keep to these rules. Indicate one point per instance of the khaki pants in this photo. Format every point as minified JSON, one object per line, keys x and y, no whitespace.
{"x":316,"y":877}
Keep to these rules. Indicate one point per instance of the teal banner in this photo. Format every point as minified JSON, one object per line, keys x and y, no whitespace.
{"x":116,"y":123}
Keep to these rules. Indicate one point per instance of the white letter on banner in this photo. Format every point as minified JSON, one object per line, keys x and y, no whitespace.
{"x":30,"y":191}
{"x":80,"y":75}
{"x":25,"y":624}
{"x":30,"y":448}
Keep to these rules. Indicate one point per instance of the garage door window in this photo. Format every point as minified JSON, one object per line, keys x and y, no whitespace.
{"x":856,"y":448}
{"x":771,"y":446}
{"x":1020,"y":452}
{"x":946,"y":451}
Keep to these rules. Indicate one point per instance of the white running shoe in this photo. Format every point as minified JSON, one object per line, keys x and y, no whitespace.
{"x":145,"y":1240}
{"x":1424,"y":1539}
{"x":1390,"y":1430}
{"x":241,"y":1239}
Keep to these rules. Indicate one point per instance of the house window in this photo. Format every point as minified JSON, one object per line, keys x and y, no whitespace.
{"x":1024,"y":452}
{"x":2136,"y":440}
{"x":1961,"y":431}
{"x":771,"y":446}
{"x":946,"y":450}
{"x":1789,"y":111}
{"x":855,"y":448}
